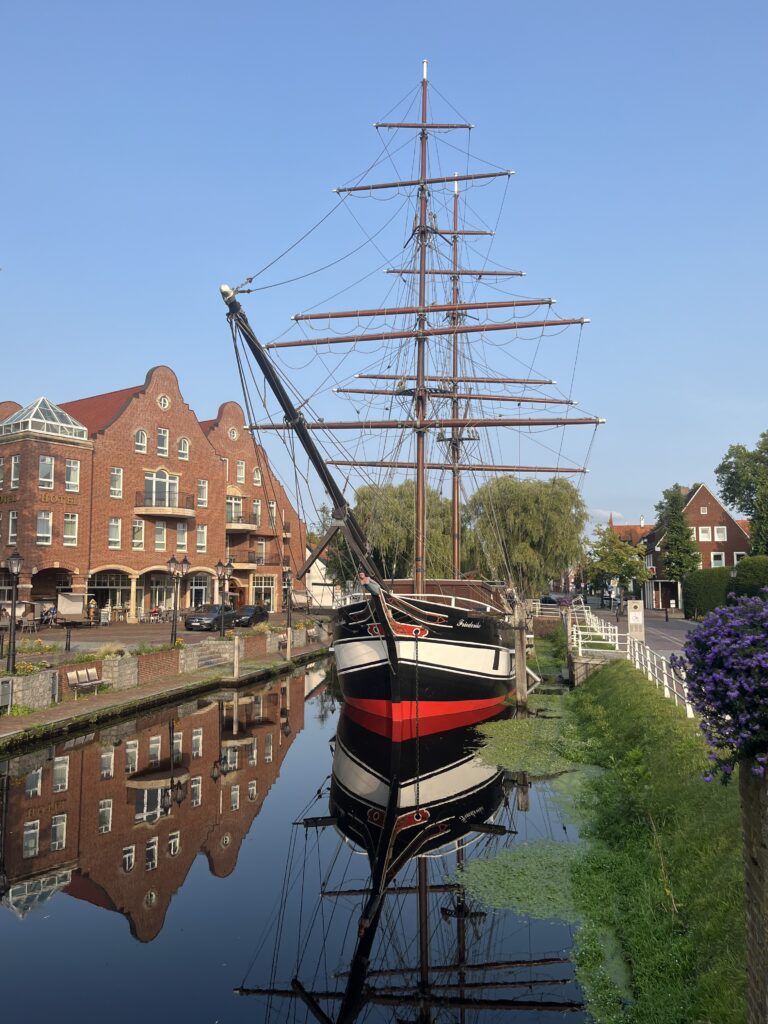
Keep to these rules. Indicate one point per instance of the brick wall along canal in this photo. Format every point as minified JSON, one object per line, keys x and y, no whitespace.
{"x":151,"y":885}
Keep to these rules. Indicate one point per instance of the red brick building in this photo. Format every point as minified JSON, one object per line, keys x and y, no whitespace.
{"x":722,"y":541}
{"x":98,"y":493}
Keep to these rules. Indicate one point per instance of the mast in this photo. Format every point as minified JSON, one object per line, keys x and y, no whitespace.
{"x":455,"y":431}
{"x":420,"y":404}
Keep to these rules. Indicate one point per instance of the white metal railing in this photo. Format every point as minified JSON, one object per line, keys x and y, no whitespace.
{"x":658,"y":670}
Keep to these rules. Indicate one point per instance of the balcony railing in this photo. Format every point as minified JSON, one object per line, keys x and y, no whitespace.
{"x":234,"y":519}
{"x":252,"y":558}
{"x":146,"y":499}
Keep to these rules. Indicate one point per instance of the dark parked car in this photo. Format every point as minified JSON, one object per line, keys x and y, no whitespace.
{"x":250,"y":614}
{"x":209,"y":617}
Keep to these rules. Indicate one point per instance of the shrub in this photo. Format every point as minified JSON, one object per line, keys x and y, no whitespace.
{"x":751,"y":576}
{"x":705,"y":590}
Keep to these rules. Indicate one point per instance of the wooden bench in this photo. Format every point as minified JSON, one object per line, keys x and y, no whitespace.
{"x":84,"y":679}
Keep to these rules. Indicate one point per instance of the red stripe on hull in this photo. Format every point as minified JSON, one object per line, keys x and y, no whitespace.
{"x":398,"y":721}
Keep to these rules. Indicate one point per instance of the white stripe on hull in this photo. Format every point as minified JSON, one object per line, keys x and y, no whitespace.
{"x":355,"y":654}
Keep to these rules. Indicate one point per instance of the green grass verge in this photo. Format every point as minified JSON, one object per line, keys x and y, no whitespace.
{"x":663,"y":868}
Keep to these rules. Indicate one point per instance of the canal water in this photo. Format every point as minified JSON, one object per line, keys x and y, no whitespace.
{"x":151,"y":867}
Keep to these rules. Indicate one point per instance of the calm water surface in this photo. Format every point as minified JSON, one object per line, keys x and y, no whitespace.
{"x":112,"y":905}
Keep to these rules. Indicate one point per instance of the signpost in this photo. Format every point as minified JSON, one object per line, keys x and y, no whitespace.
{"x":636,"y":620}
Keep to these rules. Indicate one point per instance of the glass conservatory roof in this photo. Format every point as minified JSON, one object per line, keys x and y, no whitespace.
{"x":43,"y":417}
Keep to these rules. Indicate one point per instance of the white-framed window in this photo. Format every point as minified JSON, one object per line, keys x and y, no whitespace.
{"x":159,"y":535}
{"x":150,"y":854}
{"x":272,"y":514}
{"x":45,"y":473}
{"x":181,"y":536}
{"x":140,"y":441}
{"x":2,"y":472}
{"x":196,"y":791}
{"x":717,"y":559}
{"x":155,"y":750}
{"x":202,"y":538}
{"x":162,"y":441}
{"x":137,"y":535}
{"x":268,"y":748}
{"x":161,"y":489}
{"x":60,"y":774}
{"x":738,"y":555}
{"x":261,"y":551}
{"x":13,"y":519}
{"x":115,"y":531}
{"x":234,"y":508}
{"x":164,"y":402}
{"x":105,"y":816}
{"x":129,"y":858}
{"x":721,"y":533}
{"x":202,"y":494}
{"x":44,"y":527}
{"x":70,"y":529}
{"x":197,"y":743}
{"x":182,"y":449}
{"x":178,"y":738}
{"x":131,"y":756}
{"x":256,"y":477}
{"x":234,"y":798}
{"x":115,"y":482}
{"x":72,"y":475}
{"x":703,"y":510}
{"x":15,"y":471}
{"x":253,"y":752}
{"x":240,"y":470}
{"x":107,"y":767}
{"x":147,"y":805}
{"x":230,"y":757}
{"x":253,"y":789}
{"x":174,"y":843}
{"x":705,"y":533}
{"x":58,"y":831}
{"x":31,"y":841}
{"x":256,"y":511}
{"x":33,"y":783}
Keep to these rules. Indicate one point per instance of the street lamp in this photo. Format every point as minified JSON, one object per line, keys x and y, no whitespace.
{"x":13,"y":563}
{"x":223,"y":574}
{"x":287,"y":580}
{"x":175,"y":793}
{"x":177,"y":571}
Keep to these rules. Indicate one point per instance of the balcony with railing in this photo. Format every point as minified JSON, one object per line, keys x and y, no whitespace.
{"x":247,"y":559}
{"x":164,"y":503}
{"x":242,"y":523}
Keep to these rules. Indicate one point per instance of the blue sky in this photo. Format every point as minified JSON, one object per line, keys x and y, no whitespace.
{"x":152,"y":151}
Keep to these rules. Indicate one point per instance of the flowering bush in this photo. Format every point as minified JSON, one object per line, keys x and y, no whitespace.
{"x":26,"y":668}
{"x":180,"y":644}
{"x":726,"y":664}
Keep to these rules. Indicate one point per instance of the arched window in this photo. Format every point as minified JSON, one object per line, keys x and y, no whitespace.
{"x":140,"y":441}
{"x":161,"y":490}
{"x":257,"y":477}
{"x":183,"y":448}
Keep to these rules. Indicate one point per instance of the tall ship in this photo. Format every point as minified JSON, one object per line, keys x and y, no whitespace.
{"x":427,"y":647}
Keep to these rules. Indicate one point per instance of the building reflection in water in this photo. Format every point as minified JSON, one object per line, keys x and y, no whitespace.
{"x":117,"y":817}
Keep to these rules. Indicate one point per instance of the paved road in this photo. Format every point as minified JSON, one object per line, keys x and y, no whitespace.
{"x":664,"y":638}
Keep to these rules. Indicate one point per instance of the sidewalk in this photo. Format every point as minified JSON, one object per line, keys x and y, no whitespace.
{"x":70,"y":715}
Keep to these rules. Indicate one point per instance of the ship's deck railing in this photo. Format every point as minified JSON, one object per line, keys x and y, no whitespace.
{"x":434,"y":599}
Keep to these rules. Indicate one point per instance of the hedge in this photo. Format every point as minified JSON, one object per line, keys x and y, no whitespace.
{"x":751,"y":575}
{"x":705,"y":590}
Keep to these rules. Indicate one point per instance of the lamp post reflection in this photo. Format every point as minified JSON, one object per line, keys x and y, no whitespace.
{"x":13,"y":563}
{"x":223,"y":574}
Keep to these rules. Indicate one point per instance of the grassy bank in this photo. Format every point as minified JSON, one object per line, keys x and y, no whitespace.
{"x":658,"y":884}
{"x":663,"y":870}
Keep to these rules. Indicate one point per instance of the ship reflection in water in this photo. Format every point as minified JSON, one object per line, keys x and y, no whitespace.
{"x":415,"y":945}
{"x":117,"y":817}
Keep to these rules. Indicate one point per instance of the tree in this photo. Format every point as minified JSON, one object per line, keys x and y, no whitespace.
{"x":524,"y":531}
{"x":386,"y":517}
{"x":742,"y":478}
{"x":612,"y":558}
{"x":678,"y":548}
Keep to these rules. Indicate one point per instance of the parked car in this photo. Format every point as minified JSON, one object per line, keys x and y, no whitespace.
{"x":250,"y":614}
{"x":209,"y":617}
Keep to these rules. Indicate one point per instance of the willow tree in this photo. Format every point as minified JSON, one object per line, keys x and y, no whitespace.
{"x":386,"y":515}
{"x":524,"y":531}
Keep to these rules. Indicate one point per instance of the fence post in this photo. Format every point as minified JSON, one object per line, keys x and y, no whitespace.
{"x":665,"y":677}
